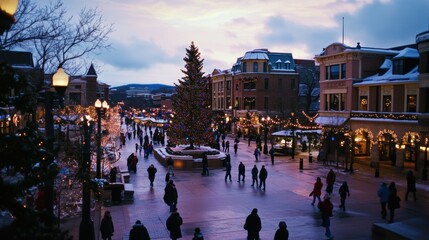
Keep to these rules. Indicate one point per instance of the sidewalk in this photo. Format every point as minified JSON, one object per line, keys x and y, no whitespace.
{"x":219,"y":208}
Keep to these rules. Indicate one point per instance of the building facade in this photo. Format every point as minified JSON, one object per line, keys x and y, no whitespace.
{"x":260,"y":83}
{"x":370,"y":99}
{"x":86,"y":89}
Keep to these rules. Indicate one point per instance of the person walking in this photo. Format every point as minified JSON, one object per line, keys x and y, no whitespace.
{"x":170,"y":166}
{"x":223,"y":145}
{"x":228,"y":170}
{"x":263,"y":174}
{"x":344,"y":193}
{"x":205,"y":164}
{"x":139,"y":232}
{"x":197,"y":234}
{"x":282,"y":233}
{"x":394,"y":201}
{"x":272,"y":152}
{"x":317,"y":190}
{"x":383,"y":194}
{"x":227,"y":146}
{"x":255,"y":172}
{"x":235,"y":148}
{"x":171,"y":195}
{"x":173,"y":224}
{"x":241,"y":171}
{"x":151,"y":170}
{"x":253,"y":225}
{"x":257,"y":153}
{"x":330,"y":180}
{"x":106,"y":226}
{"x":326,"y":209}
{"x":411,"y":185}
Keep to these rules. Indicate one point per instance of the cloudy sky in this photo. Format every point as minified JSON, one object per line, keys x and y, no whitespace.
{"x":150,"y":36}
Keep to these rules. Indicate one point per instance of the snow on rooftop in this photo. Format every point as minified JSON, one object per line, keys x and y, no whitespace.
{"x":386,"y":64}
{"x":389,"y":77}
{"x":260,"y":55}
{"x":407,"y":53}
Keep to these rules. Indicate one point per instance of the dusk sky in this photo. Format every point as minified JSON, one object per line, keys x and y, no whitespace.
{"x":150,"y":36}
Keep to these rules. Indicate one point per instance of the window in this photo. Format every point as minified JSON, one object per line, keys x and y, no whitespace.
{"x":337,"y":71}
{"x":279,"y":64}
{"x":221,"y":87}
{"x":411,"y":103}
{"x":387,"y":103}
{"x":265,"y":103}
{"x":398,"y":66}
{"x":249,"y":103}
{"x":228,"y":101}
{"x":249,"y":84}
{"x":287,"y":64}
{"x":343,"y":71}
{"x":236,"y":105}
{"x":74,"y":98}
{"x":266,"y":82}
{"x":228,"y":85}
{"x":335,"y":102}
{"x":236,"y":87}
{"x":292,"y":84}
{"x":280,"y":83}
{"x":244,"y":67}
{"x":265,"y":67}
{"x":334,"y":71}
{"x":363,"y":103}
{"x":77,"y":87}
{"x":255,"y":67}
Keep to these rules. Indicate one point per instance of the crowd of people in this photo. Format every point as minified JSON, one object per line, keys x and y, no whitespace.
{"x":389,"y":199}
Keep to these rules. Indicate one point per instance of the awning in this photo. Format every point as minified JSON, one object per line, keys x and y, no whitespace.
{"x":331,"y":121}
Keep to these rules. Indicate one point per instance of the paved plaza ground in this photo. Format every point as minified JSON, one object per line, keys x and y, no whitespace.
{"x":220,"y":208}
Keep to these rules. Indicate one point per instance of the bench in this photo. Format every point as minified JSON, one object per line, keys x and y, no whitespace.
{"x":125,"y":177}
{"x":128,"y":192}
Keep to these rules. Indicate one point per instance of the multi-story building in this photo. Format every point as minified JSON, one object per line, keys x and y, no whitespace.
{"x":369,"y":104}
{"x":260,"y":82}
{"x":86,"y":89}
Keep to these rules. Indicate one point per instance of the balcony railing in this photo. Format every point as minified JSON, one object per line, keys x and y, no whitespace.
{"x":384,"y":115}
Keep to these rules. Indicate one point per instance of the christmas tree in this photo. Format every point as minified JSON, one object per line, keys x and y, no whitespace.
{"x":191,"y":105}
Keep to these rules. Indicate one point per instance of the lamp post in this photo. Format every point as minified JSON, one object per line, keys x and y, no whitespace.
{"x":59,"y":82}
{"x":86,"y":227}
{"x":266,"y":121}
{"x":7,"y":10}
{"x":292,"y":125}
{"x":425,"y":166}
{"x":101,"y":108}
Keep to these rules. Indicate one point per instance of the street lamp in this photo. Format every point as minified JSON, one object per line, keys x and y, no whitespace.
{"x":101,"y":108}
{"x":266,"y":121}
{"x":7,"y":10}
{"x":59,"y":82}
{"x":86,"y":227}
{"x":425,"y":167}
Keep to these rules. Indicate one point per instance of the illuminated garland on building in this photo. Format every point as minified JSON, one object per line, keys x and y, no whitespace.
{"x":393,"y":116}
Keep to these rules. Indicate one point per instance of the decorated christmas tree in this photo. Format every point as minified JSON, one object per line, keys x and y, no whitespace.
{"x":191,"y":105}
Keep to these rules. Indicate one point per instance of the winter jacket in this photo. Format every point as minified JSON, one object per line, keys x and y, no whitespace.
{"x":173,"y":225}
{"x":139,"y":232}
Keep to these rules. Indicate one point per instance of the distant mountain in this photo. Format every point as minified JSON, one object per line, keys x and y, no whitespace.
{"x":151,"y":87}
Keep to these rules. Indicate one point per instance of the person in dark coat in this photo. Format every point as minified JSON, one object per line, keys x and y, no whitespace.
{"x":326,"y":209}
{"x":255,"y":172}
{"x":139,"y":232}
{"x":151,"y":170}
{"x":205,"y":163}
{"x":227,"y":146}
{"x":106,"y":227}
{"x":170,"y":195}
{"x":241,"y":171}
{"x":253,"y":225}
{"x":228,"y":170}
{"x":235,"y":148}
{"x":263,"y":174}
{"x":129,"y":161}
{"x":330,"y":180}
{"x":272,"y":153}
{"x":282,"y":233}
{"x":393,"y":202}
{"x":344,"y":193}
{"x":257,"y":153}
{"x":383,"y":194}
{"x":173,"y":225}
{"x":113,"y":173}
{"x":411,"y":185}
{"x":197,"y":234}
